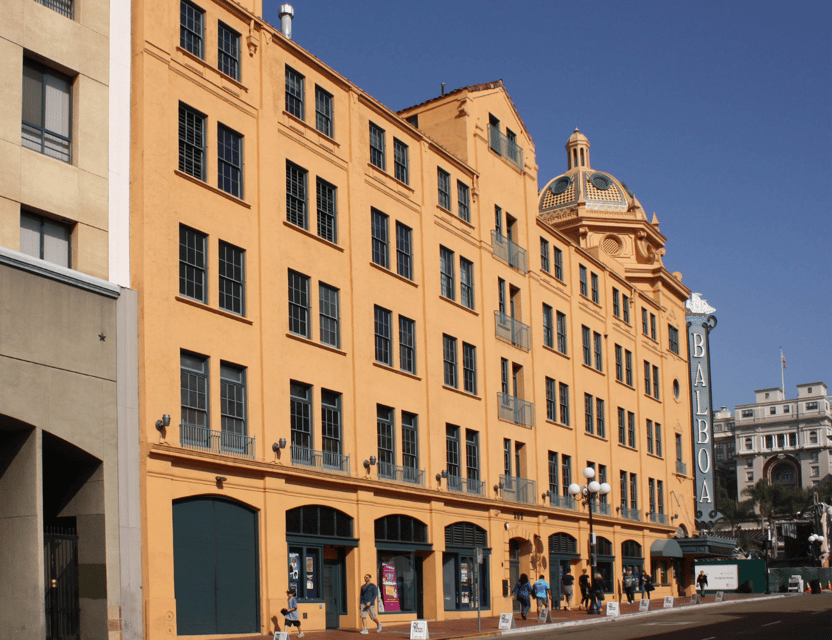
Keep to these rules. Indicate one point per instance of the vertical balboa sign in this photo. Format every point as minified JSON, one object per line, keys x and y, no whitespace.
{"x":700,"y":323}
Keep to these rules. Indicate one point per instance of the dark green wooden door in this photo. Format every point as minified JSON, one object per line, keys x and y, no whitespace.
{"x":215,"y":562}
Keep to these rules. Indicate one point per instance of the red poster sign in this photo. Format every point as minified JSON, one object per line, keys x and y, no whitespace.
{"x":389,"y":587}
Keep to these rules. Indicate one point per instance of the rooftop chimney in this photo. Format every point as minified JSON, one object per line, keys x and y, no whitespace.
{"x":286,"y":14}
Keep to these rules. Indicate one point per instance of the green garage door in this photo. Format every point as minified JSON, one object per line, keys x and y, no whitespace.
{"x":215,"y":564}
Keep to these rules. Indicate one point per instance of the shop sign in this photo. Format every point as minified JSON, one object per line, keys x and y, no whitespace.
{"x":644,"y":605}
{"x":613,"y":610}
{"x":419,"y":630}
{"x":543,"y":616}
{"x":506,"y":621}
{"x":668,"y":602}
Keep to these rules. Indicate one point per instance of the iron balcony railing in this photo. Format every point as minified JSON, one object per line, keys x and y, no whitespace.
{"x":404,"y":475}
{"x":64,"y":7}
{"x":506,"y":250}
{"x":659,"y":518}
{"x":681,"y":467}
{"x":515,"y":410}
{"x":323,"y":460}
{"x":518,"y":489}
{"x":603,"y":508}
{"x":512,"y":330}
{"x":563,"y":502}
{"x":227,"y":443}
{"x":505,"y":146}
{"x":630,"y":514}
{"x":466,"y":485}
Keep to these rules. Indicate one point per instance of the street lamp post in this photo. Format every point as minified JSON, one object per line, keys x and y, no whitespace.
{"x":815,"y":544}
{"x":767,"y":544}
{"x":588,"y":493}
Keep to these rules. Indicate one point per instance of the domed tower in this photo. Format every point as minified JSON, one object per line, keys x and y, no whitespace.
{"x":595,"y":209}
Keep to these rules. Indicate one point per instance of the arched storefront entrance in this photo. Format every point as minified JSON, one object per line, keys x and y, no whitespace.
{"x":605,"y":563}
{"x":462,"y":577}
{"x":563,"y":551}
{"x":401,"y":547}
{"x":215,"y":566}
{"x":631,"y":558}
{"x":519,"y":561}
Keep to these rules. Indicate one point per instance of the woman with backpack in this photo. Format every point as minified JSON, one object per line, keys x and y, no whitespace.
{"x":523,"y":591}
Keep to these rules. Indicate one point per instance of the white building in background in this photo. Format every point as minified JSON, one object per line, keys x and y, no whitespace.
{"x":786,"y":441}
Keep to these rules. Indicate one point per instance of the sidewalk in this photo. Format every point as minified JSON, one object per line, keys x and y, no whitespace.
{"x":467,"y":627}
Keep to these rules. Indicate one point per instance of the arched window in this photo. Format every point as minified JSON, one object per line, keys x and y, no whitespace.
{"x":465,"y":534}
{"x":631,"y":549}
{"x":605,"y":562}
{"x":563,"y":544}
{"x":461,"y":574}
{"x":401,"y":528}
{"x":318,"y":520}
{"x":401,"y":542}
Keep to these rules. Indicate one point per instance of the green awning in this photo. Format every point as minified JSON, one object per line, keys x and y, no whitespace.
{"x":665,"y":549}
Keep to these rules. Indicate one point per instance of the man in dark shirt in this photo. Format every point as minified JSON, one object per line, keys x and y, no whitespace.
{"x":583,"y":583}
{"x":369,"y":595}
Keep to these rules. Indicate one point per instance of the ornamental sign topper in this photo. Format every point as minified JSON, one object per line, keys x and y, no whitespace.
{"x":700,"y":323}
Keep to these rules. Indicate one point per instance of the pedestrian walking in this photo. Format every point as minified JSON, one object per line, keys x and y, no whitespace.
{"x":523,"y":591}
{"x":597,"y":591}
{"x":291,"y":612}
{"x":541,"y":593}
{"x":702,"y":582}
{"x":568,"y":581}
{"x":647,"y":585}
{"x":369,"y":595}
{"x":641,"y":582}
{"x":583,"y":584}
{"x":629,"y":585}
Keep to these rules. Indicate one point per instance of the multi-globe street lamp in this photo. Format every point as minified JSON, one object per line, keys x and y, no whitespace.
{"x":588,"y":493}
{"x":815,"y":546}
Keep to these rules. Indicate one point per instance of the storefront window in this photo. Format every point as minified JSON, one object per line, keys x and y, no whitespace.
{"x":397,"y":582}
{"x":460,"y":581}
{"x":605,"y":564}
{"x":304,"y":571}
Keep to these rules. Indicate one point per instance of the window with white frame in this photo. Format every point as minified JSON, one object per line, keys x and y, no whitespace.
{"x":383,"y":335}
{"x":229,"y":161}
{"x":404,"y":251}
{"x":443,"y":179}
{"x":379,"y":230}
{"x":299,"y":304}
{"x":228,"y":51}
{"x":463,"y":201}
{"x":232,"y":278}
{"x":377,"y":146}
{"x":191,"y":142}
{"x":191,"y":28}
{"x":323,"y":111}
{"x":329,"y":310}
{"x":192,"y":264}
{"x":294,"y":92}
{"x":327,"y":210}
{"x":466,"y":283}
{"x":296,"y":196}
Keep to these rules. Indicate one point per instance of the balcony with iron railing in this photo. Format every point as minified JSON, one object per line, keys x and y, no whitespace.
{"x":658,"y":518}
{"x":64,"y":7}
{"x":321,"y":460}
{"x":630,"y":514}
{"x":515,"y":410}
{"x":466,"y":485}
{"x":228,"y":443}
{"x":562,"y":502}
{"x":604,"y":508}
{"x":506,"y":250}
{"x":517,"y":489}
{"x":512,"y":330}
{"x":403,"y":475}
{"x":505,"y":146}
{"x":681,"y":467}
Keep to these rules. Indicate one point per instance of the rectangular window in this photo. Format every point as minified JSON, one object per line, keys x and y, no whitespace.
{"x":599,"y":353}
{"x":300,"y":413}
{"x":446,"y":270}
{"x":558,"y":263}
{"x":379,"y":230}
{"x":566,"y":476}
{"x":232,"y":403}
{"x":323,"y":112}
{"x":544,"y":254}
{"x":385,"y":436}
{"x":504,"y":375}
{"x":49,"y":240}
{"x":660,"y":494}
{"x":634,"y":491}
{"x":452,"y":460}
{"x":619,"y":364}
{"x":658,"y":439}
{"x":377,"y":146}
{"x":651,"y":485}
{"x":587,"y":348}
{"x":327,"y":210}
{"x":469,"y":367}
{"x":628,"y":366}
{"x":679,"y":448}
{"x":299,"y":304}
{"x":472,"y":454}
{"x":551,"y":400}
{"x":626,"y":308}
{"x":404,"y":251}
{"x":232,"y":278}
{"x":191,"y":142}
{"x":623,"y":489}
{"x":410,"y":442}
{"x":192,"y":264}
{"x":464,"y":201}
{"x":407,"y":344}
{"x":229,"y":161}
{"x":589,"y":408}
{"x":501,"y":295}
{"x":444,"y":183}
{"x":191,"y":28}
{"x":602,"y":478}
{"x":594,"y":286}
{"x":331,"y":428}
{"x":553,"y":473}
{"x":498,"y":219}
{"x":622,"y":436}
{"x":656,"y":382}
{"x":644,"y":325}
{"x":400,"y":161}
{"x":582,"y":273}
{"x":507,"y":456}
{"x":673,"y":338}
{"x":561,"y":319}
{"x":46,"y":125}
{"x":653,"y":326}
{"x":329,"y":309}
{"x":647,"y":388}
{"x":194,"y":390}
{"x":449,"y":358}
{"x":616,"y":302}
{"x":228,"y":53}
{"x":548,"y":328}
{"x":296,"y":195}
{"x":649,"y":436}
{"x":466,"y":283}
{"x":383,"y":319}
{"x":294,"y":92}
{"x":600,"y":420}
{"x":564,"y":403}
{"x":631,"y":429}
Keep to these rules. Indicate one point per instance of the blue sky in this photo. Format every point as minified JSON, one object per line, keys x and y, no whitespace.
{"x":718,"y":115}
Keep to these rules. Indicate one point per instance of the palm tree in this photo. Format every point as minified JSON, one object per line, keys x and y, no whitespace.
{"x":734,"y":513}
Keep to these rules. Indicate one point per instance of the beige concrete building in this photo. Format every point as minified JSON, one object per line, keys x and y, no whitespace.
{"x":69,"y":509}
{"x":382,"y":345}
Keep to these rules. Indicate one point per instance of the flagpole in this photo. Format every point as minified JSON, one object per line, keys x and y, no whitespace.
{"x":782,"y":373}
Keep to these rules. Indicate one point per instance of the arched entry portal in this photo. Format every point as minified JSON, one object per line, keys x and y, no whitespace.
{"x":519,"y":561}
{"x":563,"y":551}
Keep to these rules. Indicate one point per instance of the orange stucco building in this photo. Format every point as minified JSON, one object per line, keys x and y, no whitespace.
{"x":373,"y":342}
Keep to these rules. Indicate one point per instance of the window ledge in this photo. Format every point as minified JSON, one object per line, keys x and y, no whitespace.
{"x":553,"y":350}
{"x":204,"y":184}
{"x":655,"y":455}
{"x":307,"y":127}
{"x":325,"y":347}
{"x":647,"y":395}
{"x":628,"y":447}
{"x":559,"y":424}
{"x":467,"y":394}
{"x":309,"y":234}
{"x":597,"y":437}
{"x":387,"y":367}
{"x":204,"y":65}
{"x":458,"y":305}
{"x":455,"y":217}
{"x":393,"y":273}
{"x":219,"y":312}
{"x":624,"y":384}
{"x":586,"y":366}
{"x":375,"y":169}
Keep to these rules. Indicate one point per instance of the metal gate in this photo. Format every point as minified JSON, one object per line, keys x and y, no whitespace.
{"x":60,"y":551}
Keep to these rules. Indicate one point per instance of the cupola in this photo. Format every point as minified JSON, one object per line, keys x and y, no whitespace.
{"x":577,"y":151}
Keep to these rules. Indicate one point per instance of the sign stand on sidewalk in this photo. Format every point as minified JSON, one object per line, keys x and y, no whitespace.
{"x":543,"y":616}
{"x":668,"y":602}
{"x":694,"y":599}
{"x":613,"y":610}
{"x":644,"y":605}
{"x":720,"y":596}
{"x":280,"y":635}
{"x":419,"y":630}
{"x":506,"y":621}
